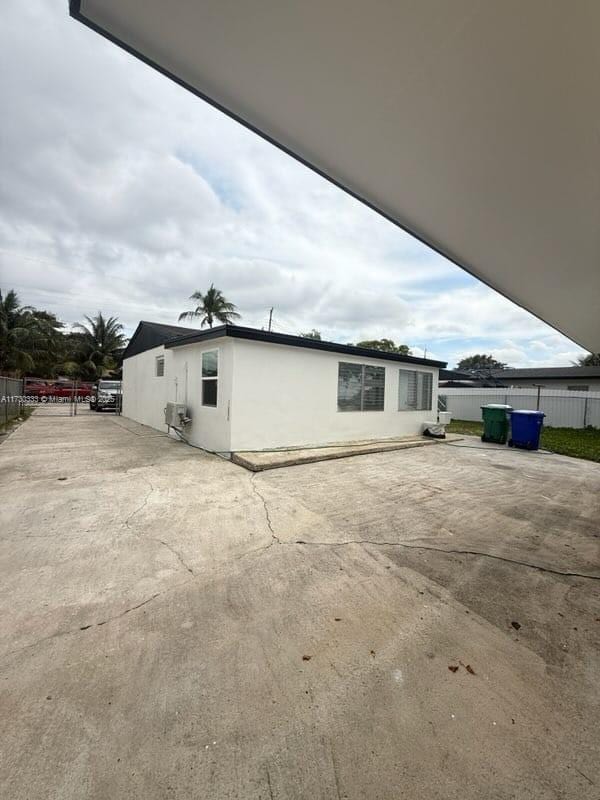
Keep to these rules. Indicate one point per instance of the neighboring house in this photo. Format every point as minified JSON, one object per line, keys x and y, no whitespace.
{"x":581,"y":379}
{"x":247,"y":389}
{"x":454,"y":378}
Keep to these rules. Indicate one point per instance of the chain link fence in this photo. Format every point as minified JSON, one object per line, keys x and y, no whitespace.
{"x":563,"y":408}
{"x":11,"y":392}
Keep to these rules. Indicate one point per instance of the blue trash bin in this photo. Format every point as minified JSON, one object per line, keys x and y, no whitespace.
{"x":526,"y":428}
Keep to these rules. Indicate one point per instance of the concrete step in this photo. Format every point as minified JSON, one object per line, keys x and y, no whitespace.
{"x":273,"y":459}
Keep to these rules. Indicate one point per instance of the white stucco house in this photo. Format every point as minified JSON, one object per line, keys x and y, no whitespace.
{"x":248,"y":389}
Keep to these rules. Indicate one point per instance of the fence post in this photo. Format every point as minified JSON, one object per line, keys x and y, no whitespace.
{"x":585,"y":412}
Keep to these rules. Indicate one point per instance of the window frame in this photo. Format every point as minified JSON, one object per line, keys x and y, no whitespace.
{"x":421,"y":379}
{"x":364,"y":385}
{"x":204,"y":379}
{"x":159,"y":360}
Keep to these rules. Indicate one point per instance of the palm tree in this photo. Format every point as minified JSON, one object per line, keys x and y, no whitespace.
{"x":212,"y":305}
{"x":591,"y":360}
{"x":27,"y":335}
{"x":101,"y":344}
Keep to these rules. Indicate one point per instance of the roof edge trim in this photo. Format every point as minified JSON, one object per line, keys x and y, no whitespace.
{"x":255,"y":335}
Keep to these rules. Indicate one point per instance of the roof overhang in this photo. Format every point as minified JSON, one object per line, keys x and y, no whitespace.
{"x":474,"y":126}
{"x":270,"y":337}
{"x":148,"y":335}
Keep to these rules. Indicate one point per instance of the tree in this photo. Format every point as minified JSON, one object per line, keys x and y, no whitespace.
{"x":591,"y":360}
{"x":212,"y":305}
{"x":387,"y":345}
{"x":98,"y":346}
{"x":51,"y":347}
{"x":480,"y":363}
{"x":27,"y":336}
{"x":314,"y":334}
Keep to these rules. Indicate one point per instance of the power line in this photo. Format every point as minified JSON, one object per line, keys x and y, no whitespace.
{"x":284,"y":328}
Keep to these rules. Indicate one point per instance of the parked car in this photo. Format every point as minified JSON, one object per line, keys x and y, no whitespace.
{"x":45,"y":389}
{"x":65,"y":389}
{"x":106,"y":395}
{"x":33,"y":387}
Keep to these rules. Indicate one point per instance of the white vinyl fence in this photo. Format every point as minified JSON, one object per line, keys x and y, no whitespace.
{"x":563,"y":408}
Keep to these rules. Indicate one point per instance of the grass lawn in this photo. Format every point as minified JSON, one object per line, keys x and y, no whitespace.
{"x":566,"y":441}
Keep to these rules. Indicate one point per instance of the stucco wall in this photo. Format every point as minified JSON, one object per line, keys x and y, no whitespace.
{"x":210,"y":427}
{"x":268,"y":396}
{"x":285,"y":396}
{"x":144,"y":394}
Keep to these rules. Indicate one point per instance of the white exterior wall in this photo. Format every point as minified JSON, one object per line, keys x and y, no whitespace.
{"x":210,"y":427}
{"x":144,"y":394}
{"x":286,"y":396}
{"x":268,"y":396}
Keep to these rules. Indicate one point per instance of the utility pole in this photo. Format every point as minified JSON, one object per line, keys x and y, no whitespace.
{"x":270,"y":319}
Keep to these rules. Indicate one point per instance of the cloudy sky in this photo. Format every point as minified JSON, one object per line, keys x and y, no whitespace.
{"x":123,"y":193}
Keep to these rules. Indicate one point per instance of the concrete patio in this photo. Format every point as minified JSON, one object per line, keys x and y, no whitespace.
{"x":423,"y":623}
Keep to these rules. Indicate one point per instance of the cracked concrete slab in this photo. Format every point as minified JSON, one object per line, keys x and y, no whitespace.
{"x":418,"y":623}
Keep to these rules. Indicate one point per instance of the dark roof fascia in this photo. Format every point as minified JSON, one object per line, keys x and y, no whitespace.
{"x":457,"y":375}
{"x":201,"y":336}
{"x":446,"y":383}
{"x":132,"y":350}
{"x":132,"y":341}
{"x":570,"y":373}
{"x":252,"y":334}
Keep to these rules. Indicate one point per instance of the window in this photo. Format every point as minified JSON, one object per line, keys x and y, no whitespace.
{"x":414,"y":390}
{"x":159,"y":366}
{"x":360,"y":387}
{"x":210,"y":368}
{"x":578,"y":388}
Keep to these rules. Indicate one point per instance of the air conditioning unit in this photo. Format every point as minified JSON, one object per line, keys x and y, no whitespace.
{"x":176,"y":415}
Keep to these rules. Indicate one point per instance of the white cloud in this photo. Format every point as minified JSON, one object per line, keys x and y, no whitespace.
{"x":123,"y":192}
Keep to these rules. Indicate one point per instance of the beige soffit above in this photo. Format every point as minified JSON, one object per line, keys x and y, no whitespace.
{"x":473,"y":124}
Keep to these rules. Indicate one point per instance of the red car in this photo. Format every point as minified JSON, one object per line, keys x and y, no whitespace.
{"x":61,"y":389}
{"x":33,"y":386}
{"x":69,"y":389}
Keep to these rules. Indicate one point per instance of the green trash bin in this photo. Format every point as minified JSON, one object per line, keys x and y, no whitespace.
{"x":495,"y":422}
